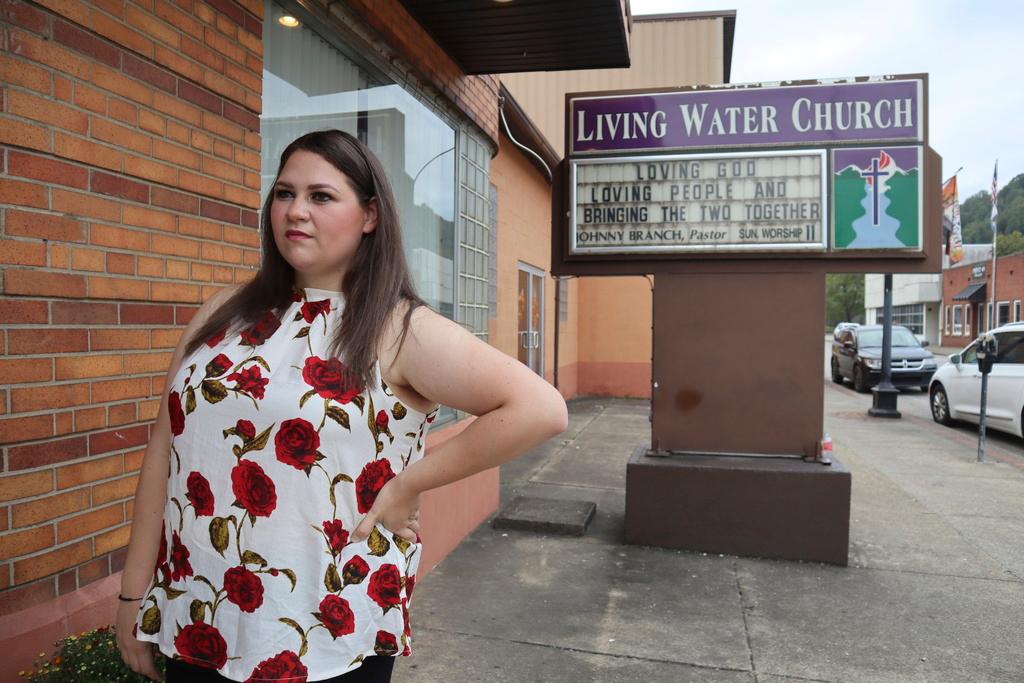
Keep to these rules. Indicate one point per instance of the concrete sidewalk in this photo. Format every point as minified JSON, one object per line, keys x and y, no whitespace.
{"x":934,"y":590}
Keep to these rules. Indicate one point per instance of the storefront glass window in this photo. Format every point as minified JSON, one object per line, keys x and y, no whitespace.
{"x":309,"y":84}
{"x":911,"y":316}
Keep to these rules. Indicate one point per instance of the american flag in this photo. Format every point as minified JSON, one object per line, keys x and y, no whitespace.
{"x":995,"y":173}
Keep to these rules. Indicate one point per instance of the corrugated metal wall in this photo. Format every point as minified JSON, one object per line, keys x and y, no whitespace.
{"x":665,"y":53}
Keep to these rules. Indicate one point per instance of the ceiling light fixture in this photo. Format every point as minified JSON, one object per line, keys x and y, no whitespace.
{"x":288,"y":21}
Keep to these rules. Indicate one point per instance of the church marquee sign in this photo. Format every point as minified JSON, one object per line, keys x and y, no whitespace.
{"x":828,"y":167}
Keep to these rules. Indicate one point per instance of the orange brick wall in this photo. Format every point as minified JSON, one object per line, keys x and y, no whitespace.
{"x":129,"y":181}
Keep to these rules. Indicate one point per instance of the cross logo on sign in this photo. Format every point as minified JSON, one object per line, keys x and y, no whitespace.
{"x":873,"y":176}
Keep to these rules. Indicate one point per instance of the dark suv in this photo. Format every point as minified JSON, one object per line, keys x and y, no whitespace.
{"x":857,"y":356}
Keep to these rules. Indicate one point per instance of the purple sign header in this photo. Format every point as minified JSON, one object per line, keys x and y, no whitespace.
{"x":875,"y":111}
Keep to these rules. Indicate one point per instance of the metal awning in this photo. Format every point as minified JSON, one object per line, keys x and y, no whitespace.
{"x":972,"y":292}
{"x":488,"y":37}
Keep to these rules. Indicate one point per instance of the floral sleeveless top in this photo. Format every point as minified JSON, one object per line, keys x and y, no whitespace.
{"x":274,"y":460}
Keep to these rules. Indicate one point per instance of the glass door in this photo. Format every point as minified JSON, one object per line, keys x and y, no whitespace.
{"x":531,"y":318}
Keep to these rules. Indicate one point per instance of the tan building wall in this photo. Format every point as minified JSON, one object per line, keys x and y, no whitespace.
{"x":524,"y":235}
{"x":615,"y":336}
{"x":614,"y":354}
{"x":664,"y":52}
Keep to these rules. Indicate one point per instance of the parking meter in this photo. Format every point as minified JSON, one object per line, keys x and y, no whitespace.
{"x":987,"y":349}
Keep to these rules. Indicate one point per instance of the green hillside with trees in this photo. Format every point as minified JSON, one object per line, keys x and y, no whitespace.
{"x":975,"y":217}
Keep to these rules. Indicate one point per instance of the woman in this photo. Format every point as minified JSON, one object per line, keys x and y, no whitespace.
{"x":278,"y":498}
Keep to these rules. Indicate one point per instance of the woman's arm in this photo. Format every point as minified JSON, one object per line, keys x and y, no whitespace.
{"x":148,"y":509}
{"x":517,"y":410}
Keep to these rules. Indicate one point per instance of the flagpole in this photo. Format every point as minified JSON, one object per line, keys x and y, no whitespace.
{"x":993,"y":321}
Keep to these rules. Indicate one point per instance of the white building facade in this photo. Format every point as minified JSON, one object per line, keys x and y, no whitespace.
{"x":917,"y":297}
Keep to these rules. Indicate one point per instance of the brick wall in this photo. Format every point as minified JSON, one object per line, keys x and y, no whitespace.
{"x":129,"y":181}
{"x":1009,"y":288}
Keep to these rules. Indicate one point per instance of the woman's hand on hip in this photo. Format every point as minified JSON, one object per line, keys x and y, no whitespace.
{"x":137,"y":654}
{"x":396,"y":507}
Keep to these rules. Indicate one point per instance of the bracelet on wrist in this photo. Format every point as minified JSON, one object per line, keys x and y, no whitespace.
{"x":122,"y":598}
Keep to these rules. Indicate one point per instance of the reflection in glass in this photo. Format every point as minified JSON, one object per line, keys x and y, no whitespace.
{"x":309,"y":85}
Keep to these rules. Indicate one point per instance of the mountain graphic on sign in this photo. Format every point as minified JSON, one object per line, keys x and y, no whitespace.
{"x":876,"y":204}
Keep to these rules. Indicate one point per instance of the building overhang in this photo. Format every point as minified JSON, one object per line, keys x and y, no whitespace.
{"x":490,"y":37}
{"x":973,"y":292}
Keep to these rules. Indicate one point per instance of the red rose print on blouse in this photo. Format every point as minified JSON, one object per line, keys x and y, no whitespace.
{"x":218,"y":366}
{"x":410,"y":582}
{"x":199,"y":494}
{"x":337,"y":537}
{"x":385,"y":586}
{"x":249,"y":381}
{"x":406,"y":629}
{"x":355,"y":570}
{"x":382,"y":420}
{"x":161,"y":558}
{"x":254,"y":490}
{"x":261,"y":330}
{"x":311,"y":309}
{"x":180,"y":566}
{"x":202,"y":645}
{"x":386,"y":645}
{"x":284,"y":666}
{"x":245,"y":429}
{"x":296,"y":444}
{"x":177,"y":414}
{"x":217,"y":337}
{"x":336,"y":616}
{"x":370,"y":481}
{"x":327,"y":377}
{"x":244,"y":588}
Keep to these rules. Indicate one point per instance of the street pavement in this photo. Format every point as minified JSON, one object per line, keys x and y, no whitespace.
{"x":914,"y":403}
{"x":934,"y":590}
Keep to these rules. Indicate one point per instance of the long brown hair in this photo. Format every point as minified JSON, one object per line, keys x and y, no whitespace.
{"x":377,"y":278}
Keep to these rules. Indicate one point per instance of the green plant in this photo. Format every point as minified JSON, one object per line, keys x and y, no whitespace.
{"x":90,"y":657}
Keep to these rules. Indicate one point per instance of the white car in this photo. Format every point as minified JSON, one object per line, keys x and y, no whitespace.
{"x":955,"y":389}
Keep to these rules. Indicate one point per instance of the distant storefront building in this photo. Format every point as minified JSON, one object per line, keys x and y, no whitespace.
{"x":916,"y":299}
{"x":967,"y":298}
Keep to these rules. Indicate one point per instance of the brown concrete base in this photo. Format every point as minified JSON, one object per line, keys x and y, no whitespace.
{"x":753,"y":506}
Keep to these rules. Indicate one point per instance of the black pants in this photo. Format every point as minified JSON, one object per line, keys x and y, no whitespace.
{"x":374,"y":669}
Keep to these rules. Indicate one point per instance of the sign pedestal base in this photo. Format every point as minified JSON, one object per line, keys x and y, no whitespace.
{"x":753,"y":506}
{"x":737,"y":407}
{"x":883,"y":402}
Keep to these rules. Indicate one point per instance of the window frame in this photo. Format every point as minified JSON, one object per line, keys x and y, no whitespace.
{"x":1001,"y":345}
{"x":999,"y":306}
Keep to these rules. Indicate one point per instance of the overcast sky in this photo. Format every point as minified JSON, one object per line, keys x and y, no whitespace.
{"x":973,"y":53}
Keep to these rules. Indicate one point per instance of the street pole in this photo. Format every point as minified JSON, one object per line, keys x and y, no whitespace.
{"x":885,"y":394}
{"x":981,"y":417}
{"x":986,"y":351}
